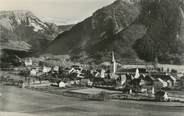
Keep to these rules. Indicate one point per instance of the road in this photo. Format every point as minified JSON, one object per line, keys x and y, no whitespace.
{"x":23,"y":102}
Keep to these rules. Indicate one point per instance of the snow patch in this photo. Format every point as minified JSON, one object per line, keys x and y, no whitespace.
{"x":36,"y":27}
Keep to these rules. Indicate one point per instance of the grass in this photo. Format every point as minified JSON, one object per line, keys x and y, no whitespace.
{"x":39,"y":103}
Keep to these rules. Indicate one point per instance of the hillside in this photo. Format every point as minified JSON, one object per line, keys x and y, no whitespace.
{"x":11,"y":40}
{"x":140,"y":29}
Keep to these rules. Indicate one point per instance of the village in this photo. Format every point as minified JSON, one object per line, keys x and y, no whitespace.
{"x":131,"y":82}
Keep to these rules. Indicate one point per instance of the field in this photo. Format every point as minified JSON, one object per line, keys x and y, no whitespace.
{"x":93,"y":91}
{"x":24,"y":102}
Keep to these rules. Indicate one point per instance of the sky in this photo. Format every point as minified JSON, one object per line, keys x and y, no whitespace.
{"x":57,"y":11}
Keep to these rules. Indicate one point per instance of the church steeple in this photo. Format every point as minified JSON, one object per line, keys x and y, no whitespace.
{"x":114,"y":63}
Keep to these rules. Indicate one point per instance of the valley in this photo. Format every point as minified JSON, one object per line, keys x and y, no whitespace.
{"x":125,"y":59}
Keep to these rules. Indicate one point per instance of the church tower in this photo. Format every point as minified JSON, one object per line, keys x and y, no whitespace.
{"x":114,"y":64}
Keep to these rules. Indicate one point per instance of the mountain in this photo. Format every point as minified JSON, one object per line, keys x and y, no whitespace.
{"x":27,"y":28}
{"x":134,"y":29}
{"x":9,"y":40}
{"x":63,"y":28}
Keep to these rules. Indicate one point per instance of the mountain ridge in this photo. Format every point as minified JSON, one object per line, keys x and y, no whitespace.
{"x":143,"y":29}
{"x":28,"y":28}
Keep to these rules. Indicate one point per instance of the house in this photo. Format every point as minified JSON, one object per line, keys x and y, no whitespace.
{"x":56,"y":68}
{"x":147,"y":85}
{"x":142,"y":79}
{"x":77,"y":82}
{"x":151,"y":91}
{"x":169,"y":79}
{"x":137,"y":75}
{"x":102,"y":73}
{"x":28,"y":62}
{"x":71,"y":70}
{"x":33,"y":72}
{"x":113,"y":76}
{"x":71,"y":82}
{"x":169,"y":83}
{"x":142,"y":82}
{"x":161,"y":96}
{"x":96,"y":74}
{"x":55,"y":84}
{"x":61,"y":84}
{"x":123,"y":79}
{"x":78,"y":71}
{"x":80,"y":75}
{"x":75,"y":70}
{"x":130,"y":91}
{"x":121,"y":82}
{"x":46,"y":69}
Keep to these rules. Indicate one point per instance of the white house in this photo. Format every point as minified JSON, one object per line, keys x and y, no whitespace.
{"x":56,"y":68}
{"x":97,"y":74}
{"x":102,"y":74}
{"x":46,"y":69}
{"x":137,"y":75}
{"x":33,"y":72}
{"x":169,"y":83}
{"x":28,"y":62}
{"x":113,"y":76}
{"x":123,"y":79}
{"x":62,"y":84}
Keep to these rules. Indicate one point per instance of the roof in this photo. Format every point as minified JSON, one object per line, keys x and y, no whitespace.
{"x":162,"y":81}
{"x":173,"y":78}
